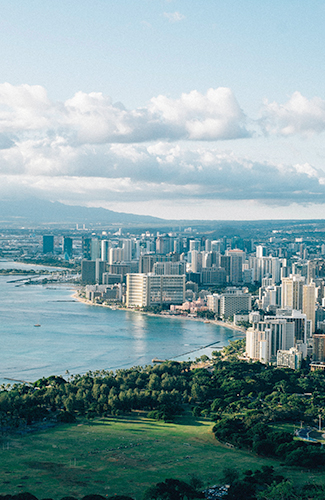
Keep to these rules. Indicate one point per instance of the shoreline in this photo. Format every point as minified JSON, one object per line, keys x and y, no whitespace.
{"x":230,"y":326}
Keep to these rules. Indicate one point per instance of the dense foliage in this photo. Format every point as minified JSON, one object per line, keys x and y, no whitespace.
{"x":262,"y":484}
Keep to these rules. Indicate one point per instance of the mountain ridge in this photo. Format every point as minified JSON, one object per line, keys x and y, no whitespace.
{"x":38,"y":211}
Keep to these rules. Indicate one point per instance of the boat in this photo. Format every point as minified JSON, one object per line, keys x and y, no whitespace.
{"x":37,"y":324}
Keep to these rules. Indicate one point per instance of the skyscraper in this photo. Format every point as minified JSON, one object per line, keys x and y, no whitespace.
{"x":292,"y":291}
{"x":309,"y":302}
{"x":48,"y":243}
{"x":67,"y":246}
{"x":236,"y":265}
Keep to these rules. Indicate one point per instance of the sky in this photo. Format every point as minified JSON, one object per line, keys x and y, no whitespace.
{"x":178,"y":109}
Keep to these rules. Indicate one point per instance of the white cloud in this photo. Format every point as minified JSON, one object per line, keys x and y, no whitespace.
{"x":24,"y":108}
{"x":94,"y":119}
{"x":158,"y":171}
{"x":213,"y":116}
{"x":298,"y":115}
{"x":174,"y":17}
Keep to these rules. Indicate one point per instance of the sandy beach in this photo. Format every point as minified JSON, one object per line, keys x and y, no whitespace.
{"x":231,"y":326}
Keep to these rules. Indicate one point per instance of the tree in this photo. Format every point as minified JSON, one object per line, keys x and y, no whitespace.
{"x":230,"y":475}
{"x":172,"y":489}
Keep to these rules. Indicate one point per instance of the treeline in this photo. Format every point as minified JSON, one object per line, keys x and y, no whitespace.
{"x":262,"y":484}
{"x":170,"y":489}
{"x":30,"y":496}
{"x":160,"y":390}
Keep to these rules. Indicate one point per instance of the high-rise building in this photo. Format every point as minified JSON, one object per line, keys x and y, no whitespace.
{"x":299,"y":320}
{"x":225,"y":263}
{"x":115,"y":255}
{"x":260,"y":251}
{"x":95,"y":249}
{"x":67,"y":247}
{"x":292,"y":292}
{"x":309,"y":303}
{"x":276,"y":270}
{"x":100,"y":269}
{"x":233,"y":302}
{"x":136,"y":290}
{"x":195,"y":245}
{"x":88,"y":272}
{"x":127,"y":250}
{"x":270,"y":296}
{"x":48,"y":243}
{"x":236,"y":265}
{"x":166,"y":289}
{"x":163,"y":244}
{"x":146,"y":262}
{"x":213,"y":276}
{"x":207,"y":245}
{"x":213,"y":303}
{"x":86,"y":248}
{"x":104,"y":249}
{"x":148,"y":290}
{"x":319,"y":348}
{"x":195,"y":260}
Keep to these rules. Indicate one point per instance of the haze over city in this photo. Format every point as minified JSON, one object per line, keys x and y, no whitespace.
{"x":175,"y":109}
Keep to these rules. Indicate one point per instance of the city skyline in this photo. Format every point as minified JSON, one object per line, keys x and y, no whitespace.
{"x":166,"y":108}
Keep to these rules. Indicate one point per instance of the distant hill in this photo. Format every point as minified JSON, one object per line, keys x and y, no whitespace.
{"x":39,"y":212}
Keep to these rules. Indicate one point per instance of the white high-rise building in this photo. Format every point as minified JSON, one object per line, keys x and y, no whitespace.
{"x":127,"y":250}
{"x":105,"y":245}
{"x":95,"y":249}
{"x":207,"y":245}
{"x":115,"y":255}
{"x":136,"y":290}
{"x":196,"y":261}
{"x":292,"y":292}
{"x":195,"y":245}
{"x":309,"y":303}
{"x":276,"y":270}
{"x":148,"y":289}
{"x":271,"y":296}
{"x":213,"y":303}
{"x":260,"y":251}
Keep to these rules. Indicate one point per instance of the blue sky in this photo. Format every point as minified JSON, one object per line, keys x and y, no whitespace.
{"x":178,"y":109}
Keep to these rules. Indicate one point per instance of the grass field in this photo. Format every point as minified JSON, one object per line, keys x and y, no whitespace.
{"x":121,"y":455}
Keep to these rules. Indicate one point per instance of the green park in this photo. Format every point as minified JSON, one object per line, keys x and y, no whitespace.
{"x":121,"y":433}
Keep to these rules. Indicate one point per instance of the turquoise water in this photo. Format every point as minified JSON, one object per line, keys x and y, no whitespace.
{"x":78,"y":337}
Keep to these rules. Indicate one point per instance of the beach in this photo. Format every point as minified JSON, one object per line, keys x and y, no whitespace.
{"x":225,"y":324}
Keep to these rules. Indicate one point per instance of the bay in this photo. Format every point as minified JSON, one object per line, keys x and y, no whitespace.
{"x":78,"y":337}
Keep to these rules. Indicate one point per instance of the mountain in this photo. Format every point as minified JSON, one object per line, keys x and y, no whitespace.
{"x":34,"y":211}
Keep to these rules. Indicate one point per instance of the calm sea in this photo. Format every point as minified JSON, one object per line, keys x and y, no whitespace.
{"x":77,"y":337}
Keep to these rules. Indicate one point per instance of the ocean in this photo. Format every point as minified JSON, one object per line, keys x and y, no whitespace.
{"x":76,"y":337}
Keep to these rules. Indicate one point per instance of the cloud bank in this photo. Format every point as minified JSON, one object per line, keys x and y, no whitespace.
{"x":91,"y":150}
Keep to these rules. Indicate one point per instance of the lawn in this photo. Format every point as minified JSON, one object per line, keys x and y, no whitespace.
{"x":121,"y":455}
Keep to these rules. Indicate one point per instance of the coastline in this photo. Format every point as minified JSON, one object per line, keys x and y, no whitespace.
{"x":230,"y":326}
